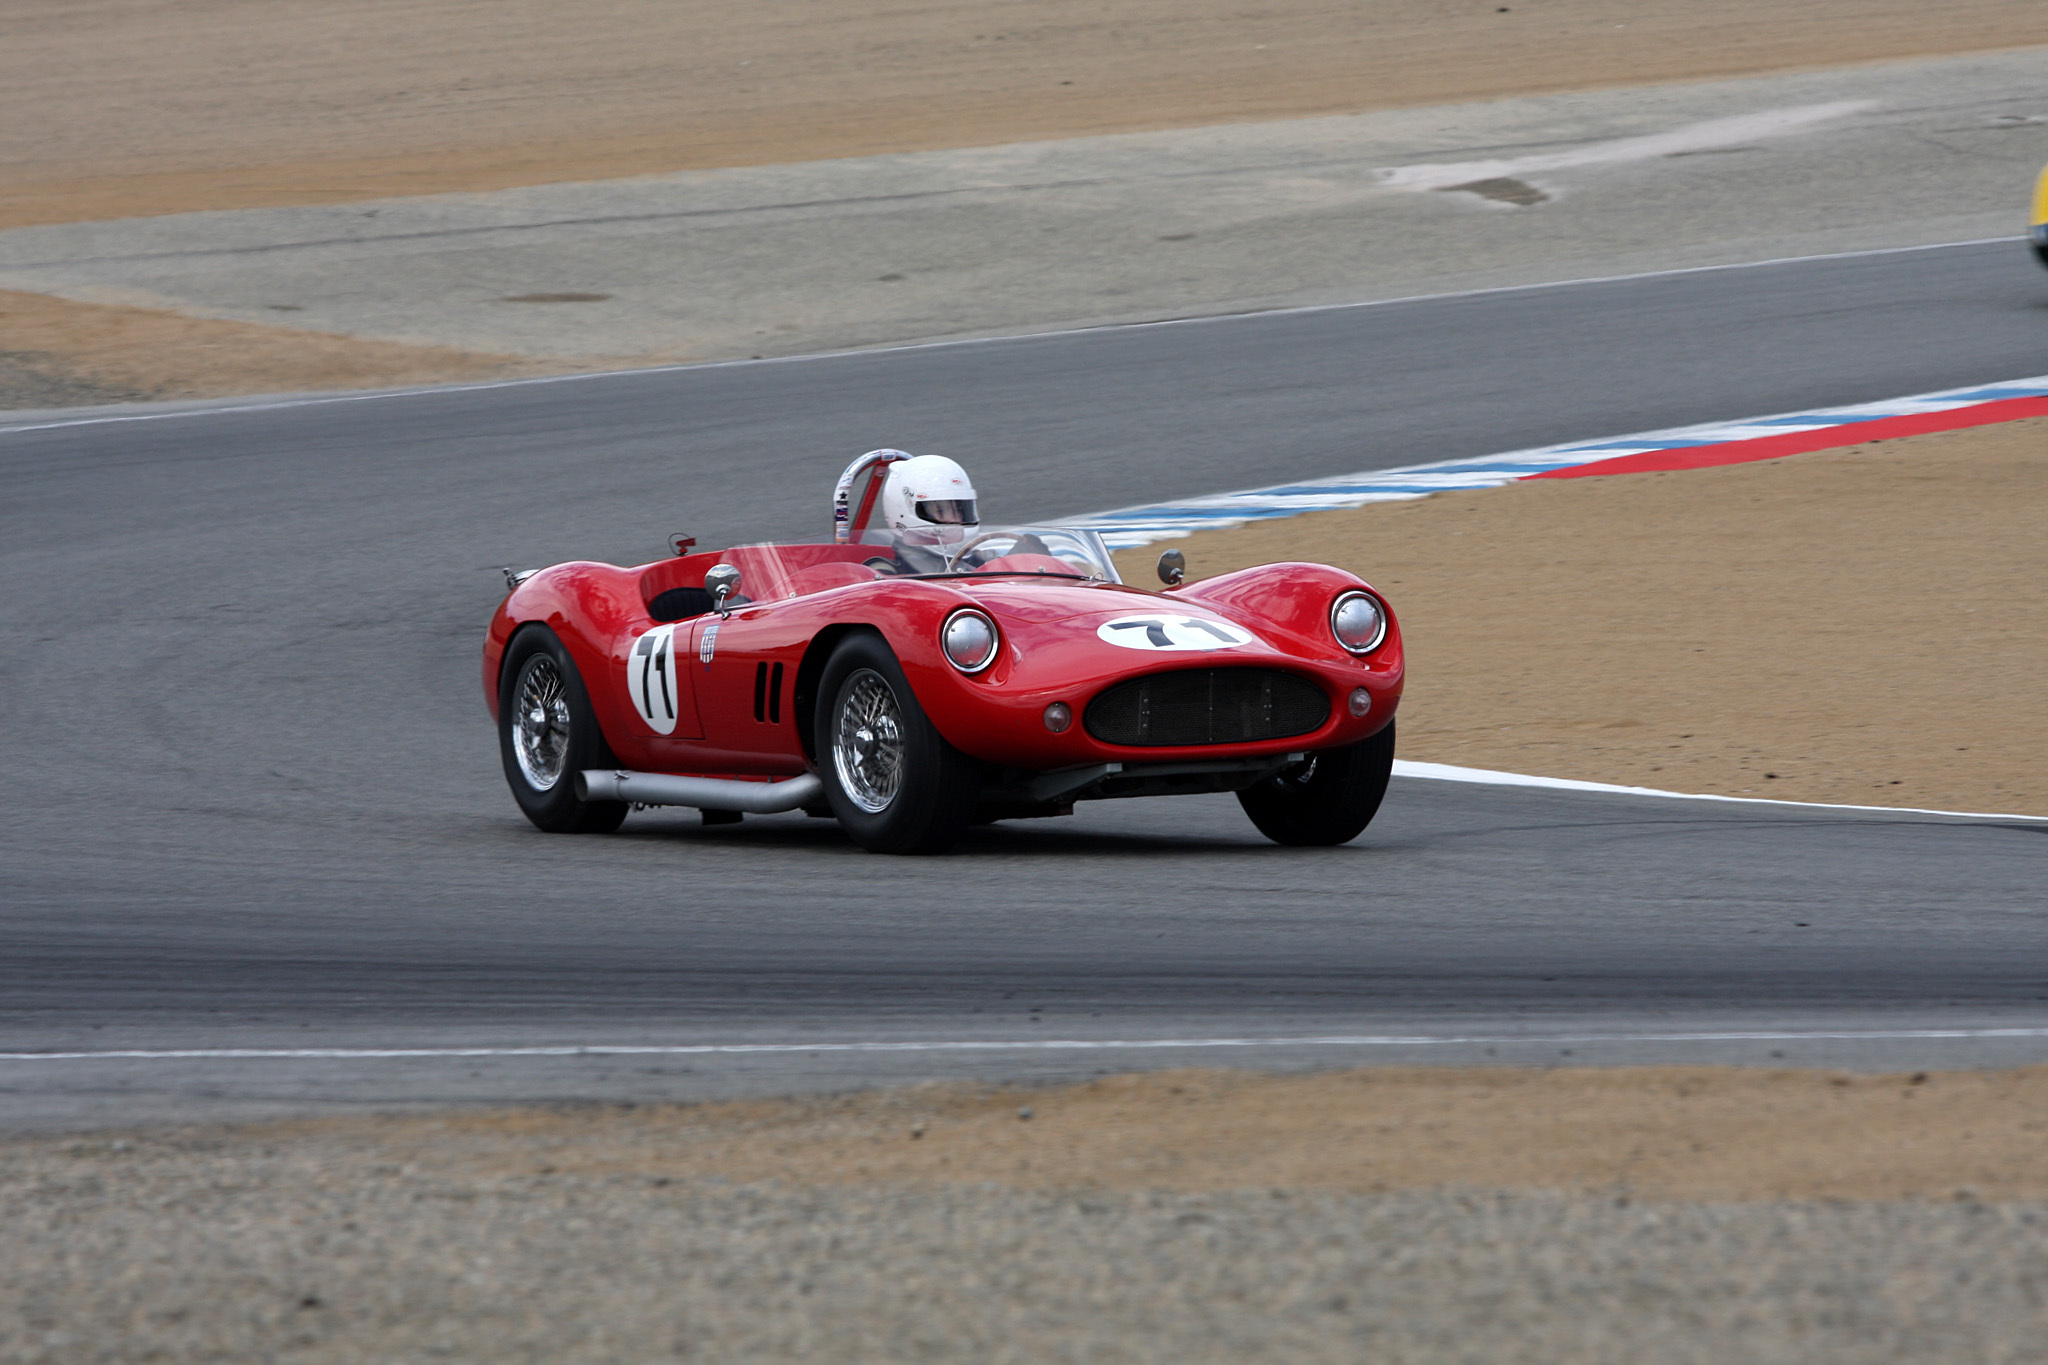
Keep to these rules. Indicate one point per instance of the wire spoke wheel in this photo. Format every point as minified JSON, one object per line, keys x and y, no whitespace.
{"x":540,"y":723}
{"x":548,"y":733}
{"x":868,"y":742}
{"x":891,"y":780}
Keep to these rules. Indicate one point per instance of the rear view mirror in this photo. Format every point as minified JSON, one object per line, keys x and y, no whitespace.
{"x":1173,"y":567}
{"x":722,"y":581}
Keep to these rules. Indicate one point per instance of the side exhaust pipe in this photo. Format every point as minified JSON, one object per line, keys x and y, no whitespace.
{"x":705,"y":793}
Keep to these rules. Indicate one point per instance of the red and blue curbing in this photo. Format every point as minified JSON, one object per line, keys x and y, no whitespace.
{"x":1700,"y":447}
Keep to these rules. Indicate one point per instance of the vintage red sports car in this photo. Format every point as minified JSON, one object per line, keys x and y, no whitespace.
{"x":1018,"y":677}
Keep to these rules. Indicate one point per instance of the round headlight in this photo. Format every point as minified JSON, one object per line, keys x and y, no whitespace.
{"x":969,"y":639}
{"x":1359,"y":622}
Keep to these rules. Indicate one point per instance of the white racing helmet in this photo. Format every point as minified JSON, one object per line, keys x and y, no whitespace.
{"x":928,"y":500}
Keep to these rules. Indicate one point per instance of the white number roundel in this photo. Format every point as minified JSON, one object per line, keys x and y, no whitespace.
{"x":651,"y":678}
{"x":1174,"y":634}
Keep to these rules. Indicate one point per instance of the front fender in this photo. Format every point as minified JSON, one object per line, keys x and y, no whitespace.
{"x":997,"y":715}
{"x":1294,"y":598}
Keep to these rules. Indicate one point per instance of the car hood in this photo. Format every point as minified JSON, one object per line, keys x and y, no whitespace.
{"x":1040,"y":602}
{"x":1123,"y":617}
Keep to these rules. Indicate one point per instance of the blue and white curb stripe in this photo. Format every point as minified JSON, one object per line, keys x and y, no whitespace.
{"x":1128,"y":527}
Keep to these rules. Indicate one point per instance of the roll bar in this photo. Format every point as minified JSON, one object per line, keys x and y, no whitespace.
{"x":843,"y":528}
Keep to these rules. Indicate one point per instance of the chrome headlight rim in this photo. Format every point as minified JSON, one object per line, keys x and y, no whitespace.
{"x":1379,"y":636}
{"x":995,"y":640}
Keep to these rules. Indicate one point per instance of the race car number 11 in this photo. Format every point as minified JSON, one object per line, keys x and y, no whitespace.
{"x":651,"y":678}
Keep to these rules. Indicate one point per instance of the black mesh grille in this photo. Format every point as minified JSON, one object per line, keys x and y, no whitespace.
{"x":1207,"y":706}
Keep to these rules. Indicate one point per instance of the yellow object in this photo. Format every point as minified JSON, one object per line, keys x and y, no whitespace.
{"x":2038,"y":232}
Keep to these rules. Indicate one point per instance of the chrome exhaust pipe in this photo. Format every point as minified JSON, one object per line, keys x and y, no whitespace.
{"x":705,"y":793}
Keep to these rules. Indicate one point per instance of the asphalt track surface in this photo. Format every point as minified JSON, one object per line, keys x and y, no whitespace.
{"x":252,"y":796}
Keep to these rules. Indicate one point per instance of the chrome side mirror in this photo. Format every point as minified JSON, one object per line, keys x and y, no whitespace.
{"x":722,"y":581}
{"x":1173,"y":567}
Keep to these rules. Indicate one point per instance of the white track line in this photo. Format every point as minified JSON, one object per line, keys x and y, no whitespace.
{"x":1363,"y":1040}
{"x":1445,"y":772}
{"x":1693,"y":137}
{"x":322,"y":400}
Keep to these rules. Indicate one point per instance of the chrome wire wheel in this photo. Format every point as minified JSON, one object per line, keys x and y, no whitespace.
{"x":867,"y":742}
{"x":540,"y":723}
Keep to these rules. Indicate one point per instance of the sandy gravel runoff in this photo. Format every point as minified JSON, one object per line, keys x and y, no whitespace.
{"x":54,"y":352}
{"x":1674,"y":1133}
{"x":1674,"y":1215}
{"x":115,"y":111}
{"x":1859,"y":625}
{"x":146,"y":109}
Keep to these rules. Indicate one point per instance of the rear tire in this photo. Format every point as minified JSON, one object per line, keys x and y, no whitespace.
{"x":891,"y":779}
{"x":547,"y":734}
{"x":1329,"y":799}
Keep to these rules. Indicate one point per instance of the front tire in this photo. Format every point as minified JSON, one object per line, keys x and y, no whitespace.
{"x":1329,"y":799}
{"x":891,"y":779}
{"x":548,"y":733}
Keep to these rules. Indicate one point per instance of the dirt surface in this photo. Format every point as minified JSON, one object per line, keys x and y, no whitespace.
{"x":117,"y":110}
{"x":1686,"y":1133}
{"x":55,"y":353}
{"x":282,"y":1256}
{"x":1859,"y":625}
{"x":1674,"y":1214}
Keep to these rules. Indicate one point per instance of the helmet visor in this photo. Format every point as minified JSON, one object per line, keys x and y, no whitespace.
{"x":948,"y":511}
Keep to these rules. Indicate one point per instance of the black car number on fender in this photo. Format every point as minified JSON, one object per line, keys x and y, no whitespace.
{"x":1173,"y":634}
{"x":651,"y":680}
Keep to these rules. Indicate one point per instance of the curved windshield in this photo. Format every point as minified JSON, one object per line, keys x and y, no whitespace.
{"x":773,"y":572}
{"x":1052,"y":550}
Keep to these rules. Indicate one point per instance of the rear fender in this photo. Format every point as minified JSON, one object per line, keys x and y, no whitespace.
{"x":586,"y":605}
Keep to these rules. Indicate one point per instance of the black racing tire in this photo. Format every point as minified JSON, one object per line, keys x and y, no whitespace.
{"x":893,"y":782}
{"x":1328,"y":800}
{"x":542,"y":759}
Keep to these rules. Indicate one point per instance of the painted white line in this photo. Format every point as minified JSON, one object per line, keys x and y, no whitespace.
{"x":1693,"y":137}
{"x":1363,"y":1040}
{"x":1190,"y":320}
{"x":1445,"y":772}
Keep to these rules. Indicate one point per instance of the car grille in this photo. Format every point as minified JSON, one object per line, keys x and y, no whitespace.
{"x":1207,"y":706}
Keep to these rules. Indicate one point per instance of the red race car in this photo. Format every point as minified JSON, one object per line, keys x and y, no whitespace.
{"x":924,"y":673}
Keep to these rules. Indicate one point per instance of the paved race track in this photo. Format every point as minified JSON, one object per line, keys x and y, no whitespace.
{"x":253,"y":798}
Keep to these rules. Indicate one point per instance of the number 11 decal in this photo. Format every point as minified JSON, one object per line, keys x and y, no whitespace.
{"x":651,"y":678}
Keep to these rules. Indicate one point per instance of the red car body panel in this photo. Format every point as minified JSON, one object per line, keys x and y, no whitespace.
{"x":738,"y":682}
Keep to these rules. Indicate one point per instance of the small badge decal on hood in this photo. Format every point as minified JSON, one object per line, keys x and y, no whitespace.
{"x":1174,"y":634}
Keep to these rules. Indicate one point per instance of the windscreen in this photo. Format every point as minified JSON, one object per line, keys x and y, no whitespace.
{"x":1051,"y":550}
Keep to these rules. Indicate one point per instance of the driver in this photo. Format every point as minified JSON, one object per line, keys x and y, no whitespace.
{"x":927,"y":503}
